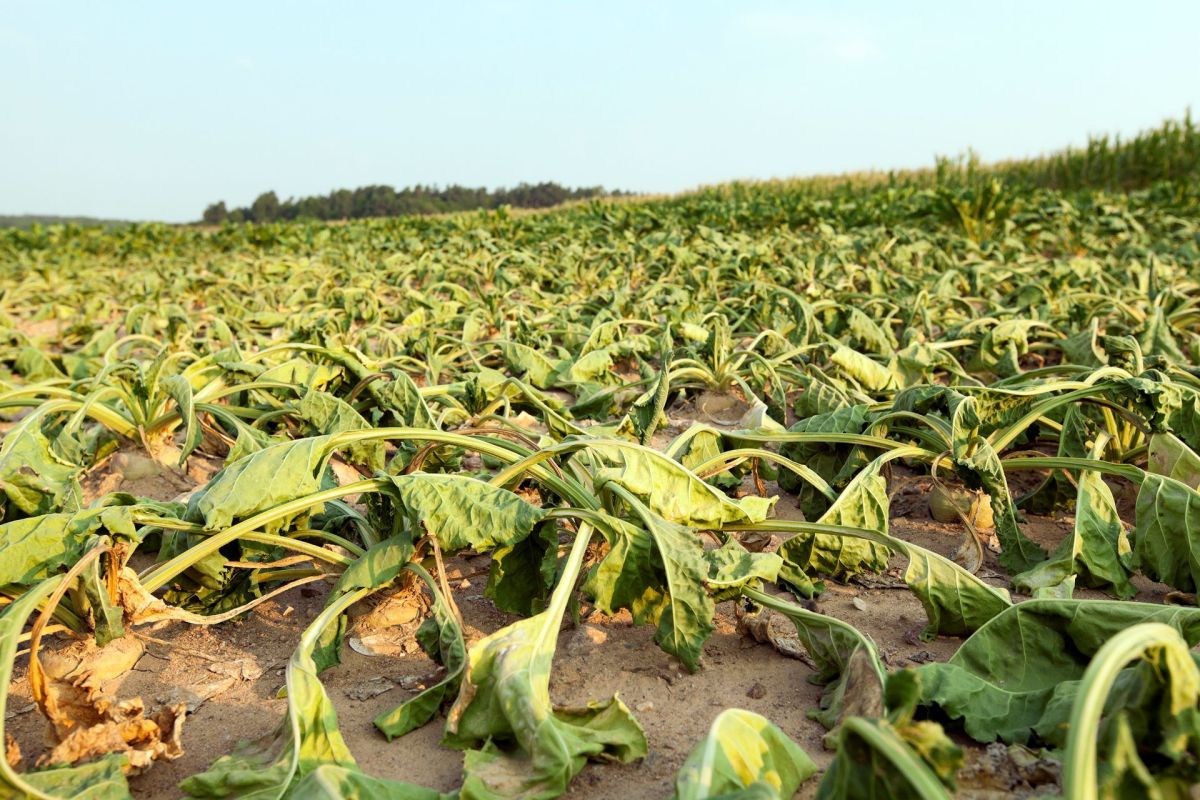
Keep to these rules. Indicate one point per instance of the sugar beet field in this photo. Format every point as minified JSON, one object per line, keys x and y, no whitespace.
{"x":874,"y":487}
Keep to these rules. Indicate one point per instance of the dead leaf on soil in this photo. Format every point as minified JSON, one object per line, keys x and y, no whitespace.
{"x":389,"y":627}
{"x":771,"y":627}
{"x":75,"y":689}
{"x":126,"y":730}
{"x":193,"y":697}
{"x":242,"y":669}
{"x":371,"y":687}
{"x":1007,"y":770}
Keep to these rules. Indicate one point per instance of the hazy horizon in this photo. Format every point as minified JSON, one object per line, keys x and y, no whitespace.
{"x":149,"y":111}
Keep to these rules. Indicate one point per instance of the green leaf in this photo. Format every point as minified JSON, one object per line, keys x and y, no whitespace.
{"x":327,"y":414}
{"x":1165,"y":546}
{"x":743,"y":750}
{"x":1002,"y":678}
{"x":1018,"y":552}
{"x":180,"y":391}
{"x":103,"y":779}
{"x":670,"y":490}
{"x":1097,"y":551}
{"x":505,"y":699}
{"x":33,"y":479}
{"x":262,"y":480}
{"x":862,"y":504}
{"x":463,"y":512}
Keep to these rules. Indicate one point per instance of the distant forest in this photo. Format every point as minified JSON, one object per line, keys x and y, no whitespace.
{"x":384,"y":201}
{"x":29,"y":220}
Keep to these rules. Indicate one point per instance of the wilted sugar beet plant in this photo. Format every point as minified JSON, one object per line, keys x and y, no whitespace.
{"x":709,"y":409}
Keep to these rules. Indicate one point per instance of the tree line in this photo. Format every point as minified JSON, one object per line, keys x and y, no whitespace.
{"x":385,"y":201}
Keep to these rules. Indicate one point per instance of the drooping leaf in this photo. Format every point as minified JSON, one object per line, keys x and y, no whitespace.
{"x":874,"y":761}
{"x":1097,"y":551}
{"x":180,"y":391}
{"x":463,"y":512}
{"x":300,"y":372}
{"x":1168,"y":455}
{"x":505,"y":700}
{"x":402,"y":399}
{"x":1018,"y":552}
{"x":673,"y":594}
{"x":743,"y":755}
{"x":262,"y":480}
{"x":1131,"y":728}
{"x":444,"y":635}
{"x":34,"y":548}
{"x":648,"y":412}
{"x":846,"y":661}
{"x":701,"y":443}
{"x":836,"y":463}
{"x":521,"y":575}
{"x":1165,"y":545}
{"x":524,"y":360}
{"x":671,"y":491}
{"x":732,"y":567}
{"x":862,"y":504}
{"x":868,"y":373}
{"x":1002,"y":678}
{"x":307,"y":740}
{"x":1157,"y":339}
{"x":630,"y":576}
{"x":327,"y":414}
{"x":34,"y":481}
{"x":956,"y":602}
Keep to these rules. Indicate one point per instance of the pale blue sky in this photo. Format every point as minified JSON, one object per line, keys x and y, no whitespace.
{"x":151,"y":110}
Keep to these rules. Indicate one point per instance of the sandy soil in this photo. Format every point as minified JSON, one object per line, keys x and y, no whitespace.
{"x":602,"y":656}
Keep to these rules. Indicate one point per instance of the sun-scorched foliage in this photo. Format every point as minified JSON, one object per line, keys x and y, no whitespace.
{"x":383,"y":395}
